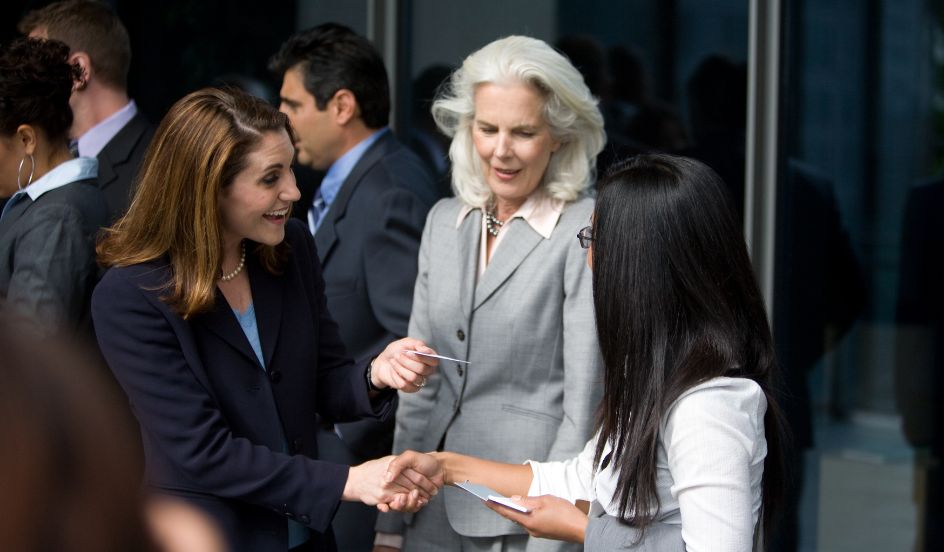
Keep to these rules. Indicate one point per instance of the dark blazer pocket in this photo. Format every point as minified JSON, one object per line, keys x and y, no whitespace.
{"x":533,"y":414}
{"x":340,"y":287}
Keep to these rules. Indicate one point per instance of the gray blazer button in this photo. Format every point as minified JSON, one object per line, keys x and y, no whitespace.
{"x":275,"y":376}
{"x":459,"y":369}
{"x":461,"y":335}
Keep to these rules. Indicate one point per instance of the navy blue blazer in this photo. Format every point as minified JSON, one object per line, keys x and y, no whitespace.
{"x":214,"y":423}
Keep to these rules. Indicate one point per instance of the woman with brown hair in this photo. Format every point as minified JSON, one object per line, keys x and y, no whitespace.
{"x":213,"y":319}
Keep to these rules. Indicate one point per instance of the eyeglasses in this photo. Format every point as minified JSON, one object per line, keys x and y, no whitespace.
{"x":585,"y":236}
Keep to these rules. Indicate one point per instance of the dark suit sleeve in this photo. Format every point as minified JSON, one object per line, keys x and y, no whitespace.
{"x":154,"y":360}
{"x":390,"y":255}
{"x":54,"y":264}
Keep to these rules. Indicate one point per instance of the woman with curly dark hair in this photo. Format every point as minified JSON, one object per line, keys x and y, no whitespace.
{"x":47,"y":227}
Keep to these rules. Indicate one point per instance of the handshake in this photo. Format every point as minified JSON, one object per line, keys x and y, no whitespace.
{"x":403,"y":483}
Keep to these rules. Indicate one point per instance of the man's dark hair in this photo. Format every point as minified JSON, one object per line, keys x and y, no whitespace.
{"x":332,"y":57}
{"x":87,"y":26}
{"x":35,"y":84}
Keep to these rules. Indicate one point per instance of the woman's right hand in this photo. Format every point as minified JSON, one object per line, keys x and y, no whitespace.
{"x":429,"y":465}
{"x":395,"y":367}
{"x":405,"y":489}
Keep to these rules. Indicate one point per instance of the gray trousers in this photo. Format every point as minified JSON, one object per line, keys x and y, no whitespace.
{"x":431,"y":532}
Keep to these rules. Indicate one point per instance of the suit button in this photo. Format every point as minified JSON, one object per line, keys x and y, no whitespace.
{"x":304,"y":519}
{"x":297,"y":445}
{"x":461,"y":335}
{"x":459,"y":369}
{"x":275,"y":376}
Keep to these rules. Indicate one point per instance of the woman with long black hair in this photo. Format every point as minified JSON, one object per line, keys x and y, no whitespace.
{"x":688,"y":449}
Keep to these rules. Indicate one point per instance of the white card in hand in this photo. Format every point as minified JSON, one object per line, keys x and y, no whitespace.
{"x":431,"y":355}
{"x":484,"y":493}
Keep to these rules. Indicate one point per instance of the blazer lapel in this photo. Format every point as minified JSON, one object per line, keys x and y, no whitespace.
{"x":223,"y":323}
{"x":469,"y":236}
{"x":513,"y":249}
{"x":118,"y":149}
{"x":327,"y":235}
{"x":267,"y":299}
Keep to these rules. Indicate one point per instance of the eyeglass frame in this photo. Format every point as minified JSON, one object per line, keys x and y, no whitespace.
{"x":585,"y":236}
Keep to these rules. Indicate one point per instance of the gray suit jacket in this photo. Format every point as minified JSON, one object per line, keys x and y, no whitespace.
{"x":608,"y":534}
{"x":527,"y":327}
{"x":47,"y":255}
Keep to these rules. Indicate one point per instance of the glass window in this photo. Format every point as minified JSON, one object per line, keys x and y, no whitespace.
{"x":858,"y":306}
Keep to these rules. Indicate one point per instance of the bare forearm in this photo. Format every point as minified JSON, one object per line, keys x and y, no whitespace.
{"x":508,"y":479}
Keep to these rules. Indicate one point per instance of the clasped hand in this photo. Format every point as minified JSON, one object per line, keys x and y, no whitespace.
{"x":549,"y":516}
{"x":403,"y":484}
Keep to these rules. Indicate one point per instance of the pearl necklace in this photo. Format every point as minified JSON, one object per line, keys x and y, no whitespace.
{"x":239,"y":267}
{"x":492,"y":224}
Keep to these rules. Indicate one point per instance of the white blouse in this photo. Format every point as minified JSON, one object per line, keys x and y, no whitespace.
{"x":709,"y":467}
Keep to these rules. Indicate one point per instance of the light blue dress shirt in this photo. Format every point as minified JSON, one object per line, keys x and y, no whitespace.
{"x":335,"y":177}
{"x":96,"y":138}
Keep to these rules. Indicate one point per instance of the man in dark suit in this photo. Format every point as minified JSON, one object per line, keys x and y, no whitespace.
{"x":367,"y":217}
{"x":106,"y":123}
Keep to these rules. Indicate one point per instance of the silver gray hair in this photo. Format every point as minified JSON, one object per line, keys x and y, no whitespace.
{"x":570,"y":111}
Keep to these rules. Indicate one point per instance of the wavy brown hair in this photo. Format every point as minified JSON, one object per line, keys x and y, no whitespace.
{"x":197,"y":151}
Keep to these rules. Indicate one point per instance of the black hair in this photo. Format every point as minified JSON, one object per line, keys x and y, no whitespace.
{"x":332,"y":57}
{"x":676,"y":305}
{"x":35,"y":84}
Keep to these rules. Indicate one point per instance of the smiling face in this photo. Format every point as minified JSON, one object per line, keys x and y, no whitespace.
{"x":255,"y":205}
{"x":318,"y":135}
{"x":512,"y":139}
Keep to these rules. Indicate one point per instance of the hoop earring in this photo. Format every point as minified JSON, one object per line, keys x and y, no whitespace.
{"x":19,"y":171}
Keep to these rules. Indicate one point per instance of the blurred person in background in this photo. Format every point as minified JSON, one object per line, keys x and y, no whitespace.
{"x":106,"y":123}
{"x":68,"y":471}
{"x":47,"y":227}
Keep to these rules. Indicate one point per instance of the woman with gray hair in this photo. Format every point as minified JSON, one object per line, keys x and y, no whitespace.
{"x":503,"y":287}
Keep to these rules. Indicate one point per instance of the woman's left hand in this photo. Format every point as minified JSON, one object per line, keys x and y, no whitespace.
{"x":397,"y":368}
{"x":551,"y":517}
